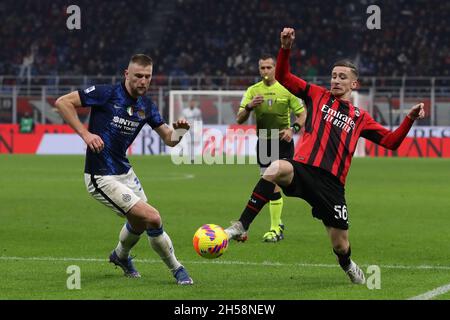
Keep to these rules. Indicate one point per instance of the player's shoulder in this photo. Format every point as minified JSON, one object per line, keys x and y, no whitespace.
{"x":318,"y":88}
{"x":359,"y":112}
{"x":148,"y":101}
{"x":149,"y":104}
{"x":99,"y":88}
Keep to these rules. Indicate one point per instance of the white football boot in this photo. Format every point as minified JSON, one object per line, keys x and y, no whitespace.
{"x":236,"y":231}
{"x":355,"y":273}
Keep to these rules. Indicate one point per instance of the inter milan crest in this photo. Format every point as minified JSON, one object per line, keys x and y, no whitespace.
{"x":141,"y":114}
{"x":130,"y":110}
{"x":126,"y":197}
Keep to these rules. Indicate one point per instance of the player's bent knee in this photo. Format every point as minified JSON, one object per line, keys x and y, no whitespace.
{"x":273,"y":171}
{"x":155,"y":221}
{"x":152,"y":218}
{"x":280,"y":172}
{"x":145,"y":213}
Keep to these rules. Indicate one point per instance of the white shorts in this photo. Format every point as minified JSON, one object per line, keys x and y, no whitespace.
{"x":118,"y":192}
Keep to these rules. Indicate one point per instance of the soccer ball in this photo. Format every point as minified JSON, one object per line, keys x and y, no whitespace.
{"x":210,"y":241}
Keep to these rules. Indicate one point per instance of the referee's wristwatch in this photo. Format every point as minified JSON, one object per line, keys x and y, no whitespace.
{"x":248,"y":108}
{"x":296,"y":127}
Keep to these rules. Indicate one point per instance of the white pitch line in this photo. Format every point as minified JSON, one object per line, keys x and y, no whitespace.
{"x":232,"y":262}
{"x":433,"y":293}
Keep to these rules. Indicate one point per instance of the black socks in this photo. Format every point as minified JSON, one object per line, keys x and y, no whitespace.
{"x":344,"y":259}
{"x":262,"y":194}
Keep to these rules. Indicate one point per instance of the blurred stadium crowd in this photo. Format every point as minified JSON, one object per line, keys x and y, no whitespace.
{"x":224,"y":37}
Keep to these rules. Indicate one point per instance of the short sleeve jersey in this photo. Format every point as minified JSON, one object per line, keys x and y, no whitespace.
{"x":117,"y":118}
{"x":275,"y":111}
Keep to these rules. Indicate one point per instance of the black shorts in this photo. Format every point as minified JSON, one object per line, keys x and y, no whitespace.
{"x":264,"y":152}
{"x":323,"y":191}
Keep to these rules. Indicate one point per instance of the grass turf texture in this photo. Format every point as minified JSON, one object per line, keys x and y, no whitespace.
{"x":398,"y":211}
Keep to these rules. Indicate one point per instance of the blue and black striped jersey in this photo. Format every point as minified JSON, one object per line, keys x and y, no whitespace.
{"x":117,"y":118}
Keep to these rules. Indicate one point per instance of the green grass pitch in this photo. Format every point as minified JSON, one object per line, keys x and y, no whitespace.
{"x":399,"y":221}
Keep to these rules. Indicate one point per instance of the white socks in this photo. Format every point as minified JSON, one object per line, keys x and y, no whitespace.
{"x":161,"y":243}
{"x":127,"y":240}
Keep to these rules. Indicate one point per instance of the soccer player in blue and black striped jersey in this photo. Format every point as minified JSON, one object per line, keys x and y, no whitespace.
{"x":118,"y":113}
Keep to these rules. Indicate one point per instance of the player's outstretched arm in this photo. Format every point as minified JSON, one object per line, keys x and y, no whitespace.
{"x":173,"y":135}
{"x":66,"y":106}
{"x":393,"y":139}
{"x":282,"y":73}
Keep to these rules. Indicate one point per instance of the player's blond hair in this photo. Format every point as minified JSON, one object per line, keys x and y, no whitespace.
{"x":347,"y":63}
{"x":141,"y":59}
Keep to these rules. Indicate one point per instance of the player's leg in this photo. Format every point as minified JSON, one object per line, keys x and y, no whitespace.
{"x":342,"y":250}
{"x":275,"y":232}
{"x":267,"y":152}
{"x":113,"y":192}
{"x":124,"y":194}
{"x":128,"y":238}
{"x":144,"y":217}
{"x":280,"y":172}
{"x":326,"y":194}
{"x":120,"y":256}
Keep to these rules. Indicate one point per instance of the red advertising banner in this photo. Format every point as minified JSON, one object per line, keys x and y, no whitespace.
{"x":433,"y":143}
{"x":413,"y":147}
{"x":12,"y":141}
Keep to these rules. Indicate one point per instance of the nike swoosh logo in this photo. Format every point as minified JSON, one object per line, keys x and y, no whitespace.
{"x":116,"y":106}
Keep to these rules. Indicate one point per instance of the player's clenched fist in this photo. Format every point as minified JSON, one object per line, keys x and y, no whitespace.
{"x":417,"y":112}
{"x":287,"y":37}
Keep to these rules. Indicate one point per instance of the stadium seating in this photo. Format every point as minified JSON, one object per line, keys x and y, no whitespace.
{"x":230,"y":35}
{"x":225,"y":37}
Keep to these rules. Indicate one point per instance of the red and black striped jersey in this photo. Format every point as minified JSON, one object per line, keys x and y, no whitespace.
{"x":333,"y":126}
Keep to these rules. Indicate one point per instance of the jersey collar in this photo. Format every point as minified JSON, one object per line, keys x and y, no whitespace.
{"x":126,"y":92}
{"x":270,"y":86}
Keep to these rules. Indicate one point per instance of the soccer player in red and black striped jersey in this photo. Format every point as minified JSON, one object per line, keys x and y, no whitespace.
{"x":323,"y":155}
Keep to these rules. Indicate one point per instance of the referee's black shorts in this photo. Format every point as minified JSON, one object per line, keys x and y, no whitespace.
{"x":323,"y":191}
{"x":265,"y":155}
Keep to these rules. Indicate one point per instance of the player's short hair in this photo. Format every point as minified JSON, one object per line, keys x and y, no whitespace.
{"x":266,"y":56}
{"x":141,"y":59}
{"x":347,"y":63}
